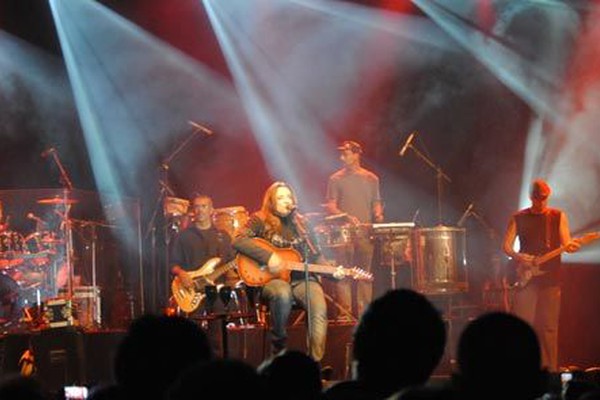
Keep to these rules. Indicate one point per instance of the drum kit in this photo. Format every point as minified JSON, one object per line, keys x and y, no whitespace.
{"x":36,"y":267}
{"x":26,"y":267}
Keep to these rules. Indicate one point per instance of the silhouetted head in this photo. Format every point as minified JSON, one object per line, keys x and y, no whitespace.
{"x":221,"y":379}
{"x":399,"y":341}
{"x":155,"y":351}
{"x":19,"y":387}
{"x":292,"y":369}
{"x":499,"y":357}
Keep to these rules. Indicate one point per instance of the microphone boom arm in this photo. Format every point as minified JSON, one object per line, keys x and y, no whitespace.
{"x":64,"y":177}
{"x":440,"y":176}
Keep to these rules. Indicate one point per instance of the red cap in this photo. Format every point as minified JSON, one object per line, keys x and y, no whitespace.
{"x":350,"y":145}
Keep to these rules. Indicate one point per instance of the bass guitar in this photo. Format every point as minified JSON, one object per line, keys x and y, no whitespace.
{"x":254,"y":274}
{"x":528,"y":270}
{"x":190,"y":298}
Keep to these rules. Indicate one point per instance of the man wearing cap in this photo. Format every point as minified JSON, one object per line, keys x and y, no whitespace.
{"x":354,"y":190}
{"x":540,"y":229}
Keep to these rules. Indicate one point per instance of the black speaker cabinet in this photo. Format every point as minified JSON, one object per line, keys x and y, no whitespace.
{"x":59,"y":357}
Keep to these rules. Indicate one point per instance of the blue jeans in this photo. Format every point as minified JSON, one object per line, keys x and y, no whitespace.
{"x":280,"y":297}
{"x":540,"y":307}
{"x":359,"y":254}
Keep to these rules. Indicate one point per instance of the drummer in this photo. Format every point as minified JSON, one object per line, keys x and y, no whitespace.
{"x":354,"y":190}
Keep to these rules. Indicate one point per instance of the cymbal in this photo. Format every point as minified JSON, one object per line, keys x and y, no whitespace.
{"x":57,"y":201}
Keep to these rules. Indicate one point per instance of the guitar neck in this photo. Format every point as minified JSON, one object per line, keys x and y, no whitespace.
{"x":318,"y":268}
{"x":550,"y":255}
{"x":220,"y":270}
{"x":583,"y":240}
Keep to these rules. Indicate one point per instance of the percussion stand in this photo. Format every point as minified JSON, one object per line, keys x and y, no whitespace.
{"x":494,"y":258}
{"x":440,"y":177}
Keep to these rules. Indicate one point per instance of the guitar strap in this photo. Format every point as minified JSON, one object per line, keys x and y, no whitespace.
{"x":547,"y":217}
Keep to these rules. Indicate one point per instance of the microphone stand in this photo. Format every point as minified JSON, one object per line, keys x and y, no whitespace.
{"x":64,"y":177}
{"x":308,"y":249}
{"x":440,"y":177}
{"x":163,"y":181}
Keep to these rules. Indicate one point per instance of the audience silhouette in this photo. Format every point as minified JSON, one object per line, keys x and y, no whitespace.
{"x":154,"y":352}
{"x":17,"y":387}
{"x":292,"y":370}
{"x":398,"y":343}
{"x":222,"y":379}
{"x":499,"y":358}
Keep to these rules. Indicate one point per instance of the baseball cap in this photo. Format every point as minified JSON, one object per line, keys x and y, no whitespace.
{"x":540,"y":190}
{"x":350,"y":145}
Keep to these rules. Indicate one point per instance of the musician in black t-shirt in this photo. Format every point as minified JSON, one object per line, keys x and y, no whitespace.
{"x":540,"y":229}
{"x":200,"y":242}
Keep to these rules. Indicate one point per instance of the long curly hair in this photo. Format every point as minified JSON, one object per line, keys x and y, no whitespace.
{"x":267,"y":210}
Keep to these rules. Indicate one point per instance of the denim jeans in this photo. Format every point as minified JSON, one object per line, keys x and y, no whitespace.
{"x":540,"y":307}
{"x":359,"y":254}
{"x":280,"y":296}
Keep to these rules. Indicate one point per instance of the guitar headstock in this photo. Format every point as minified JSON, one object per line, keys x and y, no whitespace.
{"x":360,"y":274}
{"x":588,"y":237}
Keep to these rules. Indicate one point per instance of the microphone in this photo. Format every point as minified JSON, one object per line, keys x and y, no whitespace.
{"x":36,"y":218}
{"x":407,"y":144}
{"x":292,"y":208}
{"x":47,"y":152}
{"x":415,"y":216}
{"x":467,"y":211}
{"x":200,"y":127}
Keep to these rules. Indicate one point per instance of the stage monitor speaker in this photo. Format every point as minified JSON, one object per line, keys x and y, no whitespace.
{"x":59,"y":358}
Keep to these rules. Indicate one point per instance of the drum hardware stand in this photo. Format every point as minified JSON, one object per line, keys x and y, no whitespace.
{"x":68,"y":186}
{"x":96,"y":310}
{"x":494,"y":256}
{"x":440,"y":174}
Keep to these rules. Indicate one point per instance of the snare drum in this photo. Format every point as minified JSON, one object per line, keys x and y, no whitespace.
{"x":11,"y":241}
{"x":38,"y":242}
{"x":230,"y":219}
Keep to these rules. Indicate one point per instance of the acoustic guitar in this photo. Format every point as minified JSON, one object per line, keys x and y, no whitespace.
{"x":254,"y":274}
{"x":527,"y":271}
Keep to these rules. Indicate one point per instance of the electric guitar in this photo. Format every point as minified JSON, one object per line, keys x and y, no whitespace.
{"x":254,"y":274}
{"x":527,"y":270}
{"x":189,"y":299}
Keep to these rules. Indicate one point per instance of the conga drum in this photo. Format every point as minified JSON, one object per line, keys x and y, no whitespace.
{"x":440,"y":260}
{"x":230,"y":219}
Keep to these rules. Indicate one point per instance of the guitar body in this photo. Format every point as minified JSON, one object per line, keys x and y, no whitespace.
{"x":525,"y":272}
{"x":190,"y":299}
{"x":254,"y":274}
